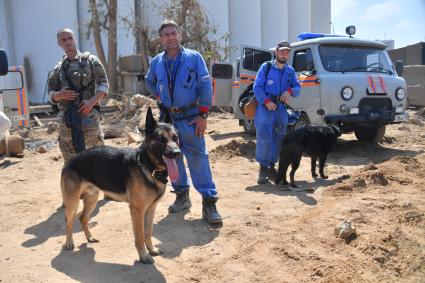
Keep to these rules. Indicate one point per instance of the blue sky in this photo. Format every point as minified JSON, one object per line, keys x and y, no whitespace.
{"x":401,"y":20}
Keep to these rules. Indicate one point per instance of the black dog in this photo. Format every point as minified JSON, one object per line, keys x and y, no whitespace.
{"x":313,"y":141}
{"x":137,"y":176}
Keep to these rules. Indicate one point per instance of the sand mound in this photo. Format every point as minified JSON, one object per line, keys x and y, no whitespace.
{"x":236,"y":147}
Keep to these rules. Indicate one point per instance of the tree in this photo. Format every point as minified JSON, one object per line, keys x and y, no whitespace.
{"x":112,"y":45}
{"x":95,"y":24}
{"x":104,"y":17}
{"x":196,"y":26}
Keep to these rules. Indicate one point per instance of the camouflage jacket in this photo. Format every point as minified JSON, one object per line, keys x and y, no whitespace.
{"x":86,"y":73}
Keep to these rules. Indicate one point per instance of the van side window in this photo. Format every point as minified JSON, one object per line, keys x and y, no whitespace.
{"x":253,"y":59}
{"x":12,"y":81}
{"x":303,"y":61}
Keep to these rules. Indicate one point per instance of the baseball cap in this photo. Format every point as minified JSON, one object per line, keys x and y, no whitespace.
{"x":282,"y":45}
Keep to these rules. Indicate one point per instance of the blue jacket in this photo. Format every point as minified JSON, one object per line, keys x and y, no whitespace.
{"x":192,"y":82}
{"x":277,"y":82}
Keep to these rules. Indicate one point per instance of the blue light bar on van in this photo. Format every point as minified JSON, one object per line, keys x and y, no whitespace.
{"x":311,"y":35}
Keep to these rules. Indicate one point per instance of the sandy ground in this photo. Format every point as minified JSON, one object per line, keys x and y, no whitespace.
{"x":269,"y":235}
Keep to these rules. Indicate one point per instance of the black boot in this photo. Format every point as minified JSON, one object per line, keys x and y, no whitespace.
{"x":209,"y":211}
{"x":181,"y":203}
{"x":262,"y":176}
{"x":272,"y":172}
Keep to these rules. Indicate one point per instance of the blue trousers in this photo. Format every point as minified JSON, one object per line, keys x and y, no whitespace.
{"x":194,"y":150}
{"x":270,"y":129}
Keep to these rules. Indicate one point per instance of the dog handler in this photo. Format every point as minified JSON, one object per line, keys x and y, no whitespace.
{"x":179,"y":79}
{"x":78,"y":79}
{"x":271,"y":118}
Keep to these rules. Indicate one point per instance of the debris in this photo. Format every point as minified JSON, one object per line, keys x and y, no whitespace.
{"x":52,"y":127}
{"x":421,"y":111}
{"x":404,"y":128}
{"x":416,"y":121}
{"x":133,"y":138}
{"x":345,"y":229}
{"x":38,"y":121}
{"x":42,"y":149}
{"x":56,"y":158}
{"x":141,"y":100}
{"x":114,"y":131}
{"x":12,"y":145}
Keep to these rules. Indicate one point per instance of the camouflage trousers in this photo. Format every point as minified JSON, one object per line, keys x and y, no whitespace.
{"x":93,"y":135}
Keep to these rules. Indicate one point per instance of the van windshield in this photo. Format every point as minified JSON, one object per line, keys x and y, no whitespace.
{"x":352,"y":58}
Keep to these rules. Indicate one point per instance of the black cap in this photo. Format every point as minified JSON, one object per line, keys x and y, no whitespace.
{"x":283,"y":45}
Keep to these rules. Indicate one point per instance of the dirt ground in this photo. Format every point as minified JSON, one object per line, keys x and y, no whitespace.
{"x":269,"y":235}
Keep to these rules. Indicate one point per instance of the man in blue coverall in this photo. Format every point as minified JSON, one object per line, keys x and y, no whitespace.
{"x":271,"y":118}
{"x":180,"y":80}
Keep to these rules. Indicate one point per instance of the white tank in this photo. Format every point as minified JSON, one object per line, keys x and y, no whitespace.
{"x":274,"y":22}
{"x":299,"y":18}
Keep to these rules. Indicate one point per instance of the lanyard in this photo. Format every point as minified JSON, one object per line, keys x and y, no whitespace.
{"x":172,"y":74}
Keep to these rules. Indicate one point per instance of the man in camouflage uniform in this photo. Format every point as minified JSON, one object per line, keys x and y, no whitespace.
{"x":78,"y":78}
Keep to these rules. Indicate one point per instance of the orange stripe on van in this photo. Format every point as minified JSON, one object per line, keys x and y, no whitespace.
{"x":382,"y":82}
{"x":371,"y":84}
{"x":213,"y":87}
{"x":18,"y":99}
{"x":24,"y":103}
{"x":247,"y":76}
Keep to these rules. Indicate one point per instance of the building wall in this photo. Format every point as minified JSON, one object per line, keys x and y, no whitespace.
{"x":34,"y":38}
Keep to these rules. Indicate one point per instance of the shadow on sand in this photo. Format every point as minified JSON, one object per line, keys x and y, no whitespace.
{"x":54,"y":226}
{"x":80,"y":265}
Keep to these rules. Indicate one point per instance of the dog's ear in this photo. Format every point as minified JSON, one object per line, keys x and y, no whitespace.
{"x":337,"y":130}
{"x":150,"y":123}
{"x":167,"y":117}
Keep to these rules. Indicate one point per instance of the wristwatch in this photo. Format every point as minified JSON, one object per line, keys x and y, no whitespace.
{"x":203,"y":114}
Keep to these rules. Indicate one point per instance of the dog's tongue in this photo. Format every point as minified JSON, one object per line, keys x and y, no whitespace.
{"x":173,"y":172}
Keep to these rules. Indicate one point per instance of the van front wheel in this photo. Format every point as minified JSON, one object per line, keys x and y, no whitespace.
{"x":370,"y":134}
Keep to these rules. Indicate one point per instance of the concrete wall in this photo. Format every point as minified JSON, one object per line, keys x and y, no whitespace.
{"x":34,"y":37}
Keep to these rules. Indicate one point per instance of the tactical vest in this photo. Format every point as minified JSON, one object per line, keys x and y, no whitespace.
{"x":79,"y":76}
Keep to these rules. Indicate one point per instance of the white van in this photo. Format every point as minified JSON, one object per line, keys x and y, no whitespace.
{"x":344,"y":80}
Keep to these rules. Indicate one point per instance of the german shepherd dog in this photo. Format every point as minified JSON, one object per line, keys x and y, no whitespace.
{"x":313,"y":141}
{"x":137,"y":176}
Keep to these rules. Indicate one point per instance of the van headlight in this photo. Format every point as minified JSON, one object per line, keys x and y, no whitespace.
{"x":400,"y":93}
{"x":346,"y":93}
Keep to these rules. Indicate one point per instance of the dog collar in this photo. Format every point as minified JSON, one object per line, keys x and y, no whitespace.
{"x":143,"y":160}
{"x":161,"y":175}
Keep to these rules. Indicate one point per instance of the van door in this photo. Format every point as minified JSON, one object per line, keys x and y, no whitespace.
{"x":14,"y":97}
{"x":222,"y":79}
{"x":251,"y":59}
{"x":309,"y":101}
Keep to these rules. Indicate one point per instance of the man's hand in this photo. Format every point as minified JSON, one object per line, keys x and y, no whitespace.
{"x":285,"y":97}
{"x":201,"y":125}
{"x":271,"y":106}
{"x":85,"y":107}
{"x":65,"y":94}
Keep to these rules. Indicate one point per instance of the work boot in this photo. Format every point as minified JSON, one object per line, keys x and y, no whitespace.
{"x":209,"y":211}
{"x":181,"y":203}
{"x":262,"y":177}
{"x":272,"y":172}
